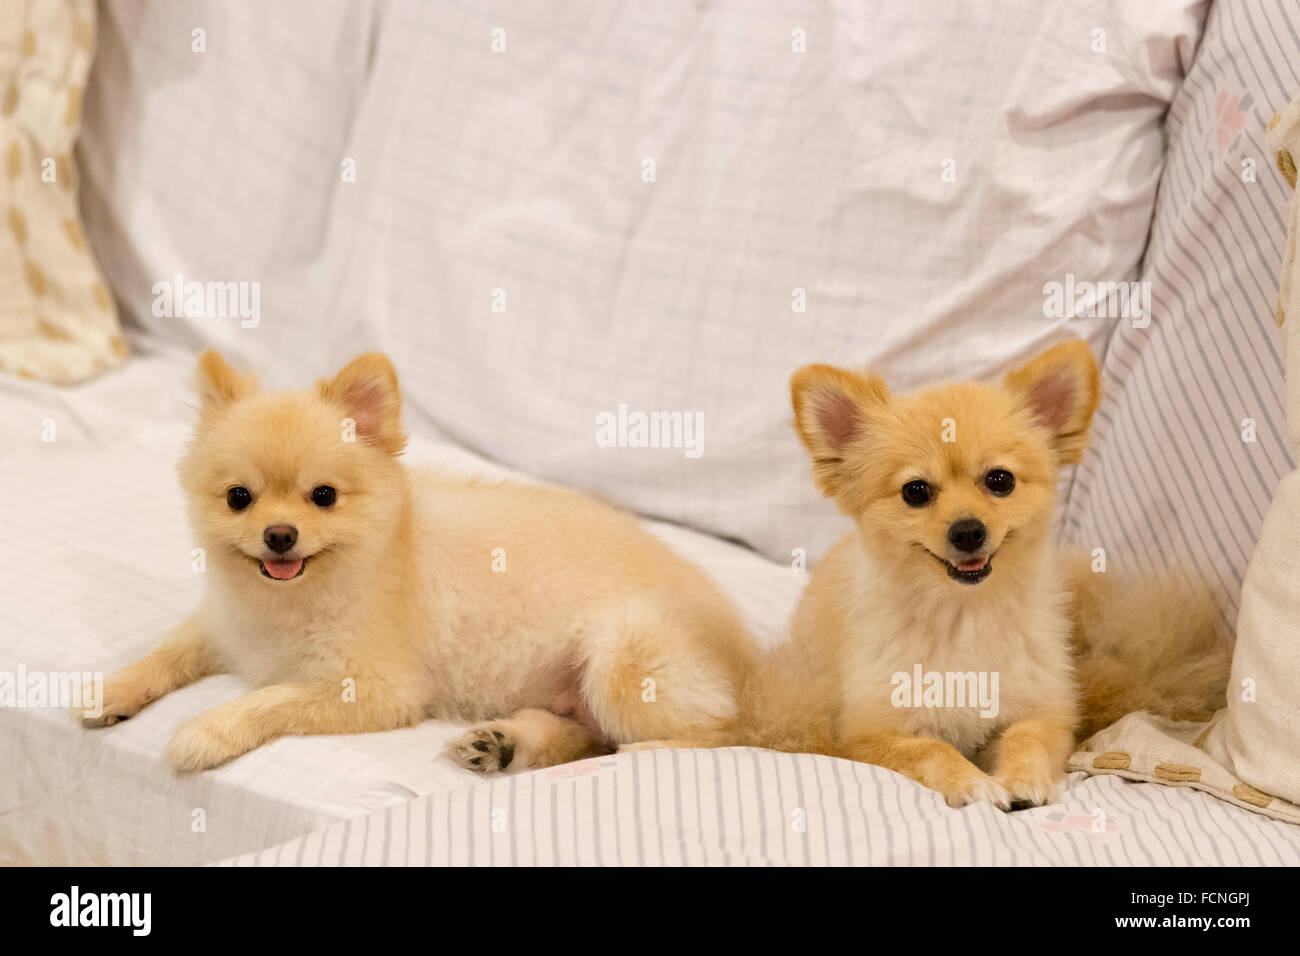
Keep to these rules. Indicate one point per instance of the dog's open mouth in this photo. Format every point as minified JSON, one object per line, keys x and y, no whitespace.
{"x":968,"y":571}
{"x":972,"y":571}
{"x":283,"y":569}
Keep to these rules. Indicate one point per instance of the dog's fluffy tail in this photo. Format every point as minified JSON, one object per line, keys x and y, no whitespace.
{"x":1148,"y":644}
{"x":787,"y":704}
{"x":784,"y":705}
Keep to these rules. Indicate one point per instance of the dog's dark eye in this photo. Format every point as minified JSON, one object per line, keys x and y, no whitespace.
{"x":323,"y":496}
{"x":999,"y":482}
{"x":239,"y":498}
{"x":916,"y":493}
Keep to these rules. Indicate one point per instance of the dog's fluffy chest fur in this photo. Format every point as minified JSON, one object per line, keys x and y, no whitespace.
{"x":957,"y":669}
{"x":269,"y":640}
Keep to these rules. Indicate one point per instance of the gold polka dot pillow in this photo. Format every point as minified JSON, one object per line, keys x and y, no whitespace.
{"x":58,"y":321}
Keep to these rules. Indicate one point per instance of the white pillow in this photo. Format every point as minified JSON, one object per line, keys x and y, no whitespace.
{"x":913,"y":174}
{"x":1259,"y":738}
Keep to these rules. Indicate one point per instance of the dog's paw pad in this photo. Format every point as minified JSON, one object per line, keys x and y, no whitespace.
{"x":485,"y":749}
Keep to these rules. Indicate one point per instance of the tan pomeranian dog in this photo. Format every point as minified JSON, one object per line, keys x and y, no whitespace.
{"x":356,"y":594}
{"x":940,"y":638}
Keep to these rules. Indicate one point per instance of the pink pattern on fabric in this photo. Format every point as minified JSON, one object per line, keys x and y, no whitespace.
{"x":1230,"y":117}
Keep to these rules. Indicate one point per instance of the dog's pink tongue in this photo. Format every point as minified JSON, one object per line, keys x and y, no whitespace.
{"x":283,"y":570}
{"x":975,"y":564}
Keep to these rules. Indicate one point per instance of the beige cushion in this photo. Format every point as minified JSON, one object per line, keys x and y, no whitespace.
{"x":1150,"y":749}
{"x":1284,"y":140}
{"x":1259,"y":738}
{"x":58,"y":321}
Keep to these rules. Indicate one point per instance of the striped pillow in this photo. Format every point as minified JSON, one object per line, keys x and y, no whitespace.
{"x":1191,"y":437}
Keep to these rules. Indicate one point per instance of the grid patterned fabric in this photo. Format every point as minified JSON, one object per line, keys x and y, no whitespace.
{"x":910,"y":174}
{"x":1176,"y":471}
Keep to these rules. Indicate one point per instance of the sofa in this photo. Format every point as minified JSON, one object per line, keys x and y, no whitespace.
{"x":549,"y":213}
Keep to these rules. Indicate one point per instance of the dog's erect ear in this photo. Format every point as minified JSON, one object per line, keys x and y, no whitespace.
{"x":219,"y":384}
{"x":830,"y":409}
{"x":1062,"y":388}
{"x":366,"y":389}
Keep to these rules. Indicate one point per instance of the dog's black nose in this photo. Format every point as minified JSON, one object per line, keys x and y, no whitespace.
{"x":967,"y":534}
{"x":280,"y":537}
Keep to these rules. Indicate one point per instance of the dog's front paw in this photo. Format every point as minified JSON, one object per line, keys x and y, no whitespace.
{"x":976,"y":787}
{"x":1029,"y":788}
{"x":119,"y":701}
{"x":200,"y":744}
{"x":485,"y":748}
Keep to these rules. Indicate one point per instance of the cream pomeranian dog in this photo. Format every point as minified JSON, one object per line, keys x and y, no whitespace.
{"x":944,"y":637}
{"x":356,"y":594}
